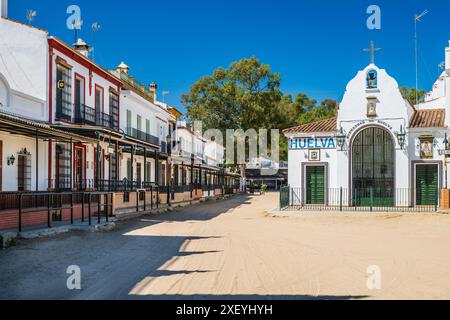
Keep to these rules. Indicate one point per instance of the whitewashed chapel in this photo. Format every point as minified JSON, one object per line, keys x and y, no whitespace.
{"x":380,"y":150}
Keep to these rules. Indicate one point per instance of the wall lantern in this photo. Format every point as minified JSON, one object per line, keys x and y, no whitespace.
{"x":11,"y":160}
{"x":446,"y":143}
{"x":401,"y":137}
{"x":341,"y":137}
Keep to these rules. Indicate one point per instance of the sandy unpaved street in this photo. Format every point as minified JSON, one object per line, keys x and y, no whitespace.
{"x":232,"y":249}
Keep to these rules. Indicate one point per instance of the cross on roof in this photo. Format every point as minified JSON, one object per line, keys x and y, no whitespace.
{"x":372,"y":51}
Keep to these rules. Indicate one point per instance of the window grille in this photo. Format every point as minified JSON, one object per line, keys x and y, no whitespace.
{"x":114,"y":110}
{"x":24,"y":172}
{"x":64,"y":108}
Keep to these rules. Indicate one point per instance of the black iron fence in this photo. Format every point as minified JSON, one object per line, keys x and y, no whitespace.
{"x":367,"y":199}
{"x":49,"y":206}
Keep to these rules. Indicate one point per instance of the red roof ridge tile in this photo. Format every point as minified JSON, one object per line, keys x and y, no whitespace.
{"x":327,"y":125}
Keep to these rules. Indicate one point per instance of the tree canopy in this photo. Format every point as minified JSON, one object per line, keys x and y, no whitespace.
{"x":410,"y":94}
{"x":247,"y":95}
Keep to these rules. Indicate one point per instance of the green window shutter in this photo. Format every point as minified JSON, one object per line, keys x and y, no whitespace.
{"x":139,"y":122}
{"x":315,"y":185}
{"x":426,"y":184}
{"x":129,"y":174}
{"x":129,"y":122}
{"x":147,"y":126}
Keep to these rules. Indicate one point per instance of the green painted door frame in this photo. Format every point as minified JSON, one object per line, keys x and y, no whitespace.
{"x":427,"y":184}
{"x":315,"y":184}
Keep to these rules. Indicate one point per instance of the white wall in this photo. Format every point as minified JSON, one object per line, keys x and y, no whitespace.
{"x":23,"y":70}
{"x":392,"y":114}
{"x":4,"y":8}
{"x":12,"y":145}
{"x":137,"y":159}
{"x":89,"y":87}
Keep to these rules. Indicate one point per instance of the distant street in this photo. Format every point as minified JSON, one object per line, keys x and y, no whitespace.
{"x":232,"y":249}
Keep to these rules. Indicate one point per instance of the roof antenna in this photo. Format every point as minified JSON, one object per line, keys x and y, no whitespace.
{"x":417,"y":17}
{"x":77,"y":24}
{"x":164,"y":94}
{"x":95,"y":27}
{"x":31,"y":14}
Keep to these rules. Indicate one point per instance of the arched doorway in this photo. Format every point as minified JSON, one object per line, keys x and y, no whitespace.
{"x":373,"y":168}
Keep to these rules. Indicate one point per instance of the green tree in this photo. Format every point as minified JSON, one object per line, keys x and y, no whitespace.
{"x":244,"y":96}
{"x":247,"y":95}
{"x":326,"y":110}
{"x":410,"y":94}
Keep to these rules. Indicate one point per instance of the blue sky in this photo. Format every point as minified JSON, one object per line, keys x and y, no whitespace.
{"x":315,"y":45}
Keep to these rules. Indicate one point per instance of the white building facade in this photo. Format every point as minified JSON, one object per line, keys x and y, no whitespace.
{"x":379,"y":150}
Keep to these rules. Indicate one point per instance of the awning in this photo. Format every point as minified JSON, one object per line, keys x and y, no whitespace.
{"x":18,"y":125}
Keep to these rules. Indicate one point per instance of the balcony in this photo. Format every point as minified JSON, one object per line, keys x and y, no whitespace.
{"x":88,"y":116}
{"x":164,"y":148}
{"x":138,"y":134}
{"x":141,"y":88}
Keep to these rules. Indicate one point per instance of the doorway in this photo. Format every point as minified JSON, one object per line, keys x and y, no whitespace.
{"x":79,"y":174}
{"x":315,"y":184}
{"x":427,"y":184}
{"x":139,"y":174}
{"x":373,"y":168}
{"x":79,"y":98}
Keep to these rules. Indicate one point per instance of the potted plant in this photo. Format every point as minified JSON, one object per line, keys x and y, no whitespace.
{"x":263,"y":188}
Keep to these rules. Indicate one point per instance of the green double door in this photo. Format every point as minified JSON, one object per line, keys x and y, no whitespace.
{"x":315,"y":185}
{"x":427,"y":184}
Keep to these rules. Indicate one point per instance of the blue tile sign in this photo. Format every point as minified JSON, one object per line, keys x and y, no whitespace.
{"x":312,"y":143}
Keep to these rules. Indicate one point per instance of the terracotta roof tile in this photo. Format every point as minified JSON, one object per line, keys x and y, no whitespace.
{"x":431,"y":118}
{"x":329,"y":125}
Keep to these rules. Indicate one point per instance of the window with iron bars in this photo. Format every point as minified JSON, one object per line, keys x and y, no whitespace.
{"x":64,"y":108}
{"x":24,"y":172}
{"x":114,"y":110}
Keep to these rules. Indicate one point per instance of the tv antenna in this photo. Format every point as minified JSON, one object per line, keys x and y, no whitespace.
{"x":31,"y":14}
{"x":164,"y":94}
{"x":77,"y":25}
{"x":417,"y":18}
{"x":95,"y":27}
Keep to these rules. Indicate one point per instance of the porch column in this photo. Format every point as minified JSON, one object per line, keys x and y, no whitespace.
{"x":97,"y":171}
{"x":145,"y":165}
{"x":117,"y":161}
{"x":183,"y":175}
{"x":157,"y":177}
{"x":71,"y":164}
{"x":169,"y":182}
{"x":192,"y":176}
{"x":132,"y":166}
{"x":37,"y":160}
{"x":156,"y":167}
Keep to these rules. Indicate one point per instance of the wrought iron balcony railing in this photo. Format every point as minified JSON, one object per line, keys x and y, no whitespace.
{"x":138,"y":134}
{"x":89,"y":116}
{"x":136,"y":85}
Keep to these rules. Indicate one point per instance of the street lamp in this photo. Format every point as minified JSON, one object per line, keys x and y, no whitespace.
{"x":401,"y":137}
{"x":341,"y":137}
{"x":446,"y":151}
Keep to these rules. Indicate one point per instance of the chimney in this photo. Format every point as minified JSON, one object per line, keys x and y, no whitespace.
{"x":122,"y":67}
{"x":447,"y":58}
{"x":81,"y":47}
{"x":153,"y":88}
{"x":4,"y":8}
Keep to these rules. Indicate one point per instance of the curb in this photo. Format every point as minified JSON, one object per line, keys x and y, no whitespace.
{"x":9,"y":239}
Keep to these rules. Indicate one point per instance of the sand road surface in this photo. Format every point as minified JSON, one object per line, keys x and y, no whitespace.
{"x":232,"y":249}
